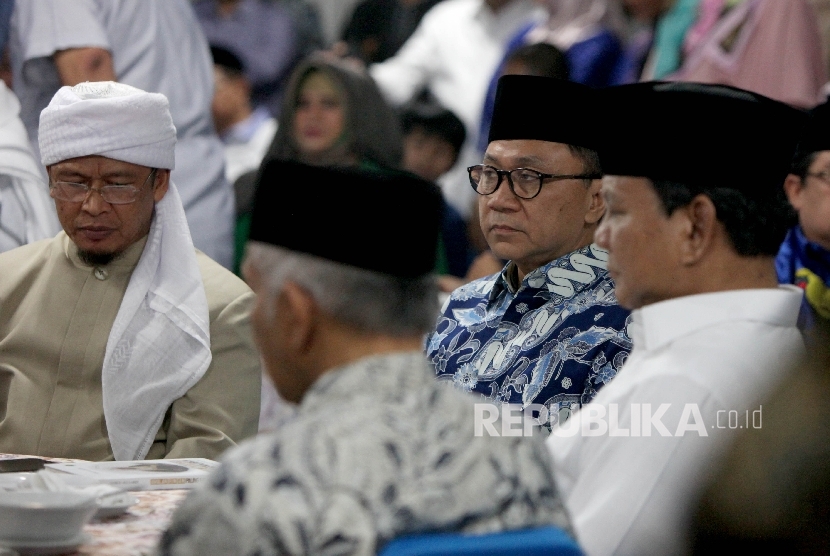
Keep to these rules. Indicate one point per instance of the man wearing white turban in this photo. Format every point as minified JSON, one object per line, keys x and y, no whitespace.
{"x":118,"y":340}
{"x":155,"y":45}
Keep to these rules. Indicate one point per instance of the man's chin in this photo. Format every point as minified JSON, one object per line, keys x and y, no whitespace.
{"x":95,"y":258}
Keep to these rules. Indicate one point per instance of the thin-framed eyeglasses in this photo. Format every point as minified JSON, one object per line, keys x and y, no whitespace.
{"x":523,"y":182}
{"x":115,"y":194}
{"x":823,"y":176}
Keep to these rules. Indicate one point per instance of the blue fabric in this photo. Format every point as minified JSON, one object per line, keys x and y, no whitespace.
{"x":670,"y":34}
{"x":456,"y":245}
{"x":548,"y":541}
{"x":599,"y":61}
{"x":807,"y":265}
{"x":596,"y":62}
{"x":6,"y":9}
{"x":555,"y":341}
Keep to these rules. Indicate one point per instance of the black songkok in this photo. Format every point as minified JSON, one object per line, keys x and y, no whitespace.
{"x":385,"y":223}
{"x":698,"y":135}
{"x":816,"y":136}
{"x":545,"y":109}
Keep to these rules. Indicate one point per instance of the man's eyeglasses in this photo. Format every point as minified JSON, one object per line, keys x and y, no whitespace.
{"x":524,"y":182}
{"x":112,"y":194}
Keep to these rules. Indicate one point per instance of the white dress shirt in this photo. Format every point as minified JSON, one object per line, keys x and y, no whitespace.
{"x":454,"y":52}
{"x":717,"y":353}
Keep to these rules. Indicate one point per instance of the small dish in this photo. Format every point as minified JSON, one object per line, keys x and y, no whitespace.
{"x":44,"y":517}
{"x":46,"y":548}
{"x":113,"y":505}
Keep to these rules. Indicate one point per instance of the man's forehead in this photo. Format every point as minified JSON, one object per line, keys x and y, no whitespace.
{"x":96,"y":164}
{"x":622,"y":187}
{"x":527,"y":152}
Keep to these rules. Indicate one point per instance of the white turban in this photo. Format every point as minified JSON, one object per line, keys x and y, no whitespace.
{"x":108,"y":119}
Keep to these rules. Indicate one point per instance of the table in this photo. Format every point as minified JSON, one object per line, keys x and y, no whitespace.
{"x":134,"y":533}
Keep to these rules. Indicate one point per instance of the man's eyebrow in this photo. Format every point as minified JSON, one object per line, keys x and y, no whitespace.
{"x":521,"y":161}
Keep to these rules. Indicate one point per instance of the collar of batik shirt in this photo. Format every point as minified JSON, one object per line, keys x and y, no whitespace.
{"x":565,"y":276}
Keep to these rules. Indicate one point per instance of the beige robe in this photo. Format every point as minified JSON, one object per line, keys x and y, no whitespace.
{"x":55,"y":317}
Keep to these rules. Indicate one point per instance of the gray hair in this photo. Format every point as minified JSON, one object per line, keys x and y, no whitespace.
{"x":365,"y":299}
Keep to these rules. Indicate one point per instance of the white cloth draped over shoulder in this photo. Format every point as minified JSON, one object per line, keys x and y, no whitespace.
{"x":27,"y":213}
{"x":159,"y":344}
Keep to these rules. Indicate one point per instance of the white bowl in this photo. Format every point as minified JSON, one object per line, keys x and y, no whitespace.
{"x":43,"y":516}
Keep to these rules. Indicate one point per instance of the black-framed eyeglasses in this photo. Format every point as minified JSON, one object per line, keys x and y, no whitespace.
{"x":824,"y":176}
{"x":524,"y":182}
{"x":121,"y":194}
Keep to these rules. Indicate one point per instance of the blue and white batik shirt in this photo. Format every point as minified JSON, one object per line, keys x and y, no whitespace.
{"x":554,"y":339}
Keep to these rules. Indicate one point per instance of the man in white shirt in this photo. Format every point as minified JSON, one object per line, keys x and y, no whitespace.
{"x":692,"y":228}
{"x":454,"y":52}
{"x":154,"y":45}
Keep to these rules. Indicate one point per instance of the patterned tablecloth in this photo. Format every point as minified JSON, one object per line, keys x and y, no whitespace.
{"x":134,"y":533}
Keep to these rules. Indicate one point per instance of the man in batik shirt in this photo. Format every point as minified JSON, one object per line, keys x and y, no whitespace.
{"x":377,"y":449}
{"x":547,"y":329}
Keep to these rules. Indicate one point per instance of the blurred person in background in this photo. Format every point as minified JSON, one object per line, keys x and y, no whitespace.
{"x":262,"y":33}
{"x":27,"y":213}
{"x":772,"y":491}
{"x":378,"y":449}
{"x":804,"y":257}
{"x":655,"y":49}
{"x":332,"y":115}
{"x":154,"y":45}
{"x":378,"y":28}
{"x":770,"y":47}
{"x":246,"y":131}
{"x":432,"y":140}
{"x":588,"y":32}
{"x":453,"y":53}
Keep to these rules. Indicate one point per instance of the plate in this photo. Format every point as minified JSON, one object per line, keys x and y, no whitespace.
{"x":46,"y":548}
{"x":113,"y":505}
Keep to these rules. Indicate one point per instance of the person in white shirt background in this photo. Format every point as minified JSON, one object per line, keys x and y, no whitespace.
{"x":453,"y":53}
{"x":691,"y":230}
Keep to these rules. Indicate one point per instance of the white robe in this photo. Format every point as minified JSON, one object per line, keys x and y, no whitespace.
{"x":27,"y":213}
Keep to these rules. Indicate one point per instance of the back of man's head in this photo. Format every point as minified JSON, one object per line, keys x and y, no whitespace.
{"x":341,"y":261}
{"x":362,"y":243}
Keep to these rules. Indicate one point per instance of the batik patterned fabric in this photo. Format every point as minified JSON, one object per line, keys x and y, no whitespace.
{"x":378,"y":449}
{"x":807,"y":265}
{"x":555,"y":340}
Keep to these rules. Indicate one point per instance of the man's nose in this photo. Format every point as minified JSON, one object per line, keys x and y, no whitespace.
{"x":94,"y":203}
{"x":503,"y":198}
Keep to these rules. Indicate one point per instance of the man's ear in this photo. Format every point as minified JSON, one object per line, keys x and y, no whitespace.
{"x":596,"y":208}
{"x":699,"y":220}
{"x":161,"y":184}
{"x":793,"y":187}
{"x":300,"y":317}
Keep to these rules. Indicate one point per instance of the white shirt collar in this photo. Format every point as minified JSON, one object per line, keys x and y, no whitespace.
{"x":656,"y":325}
